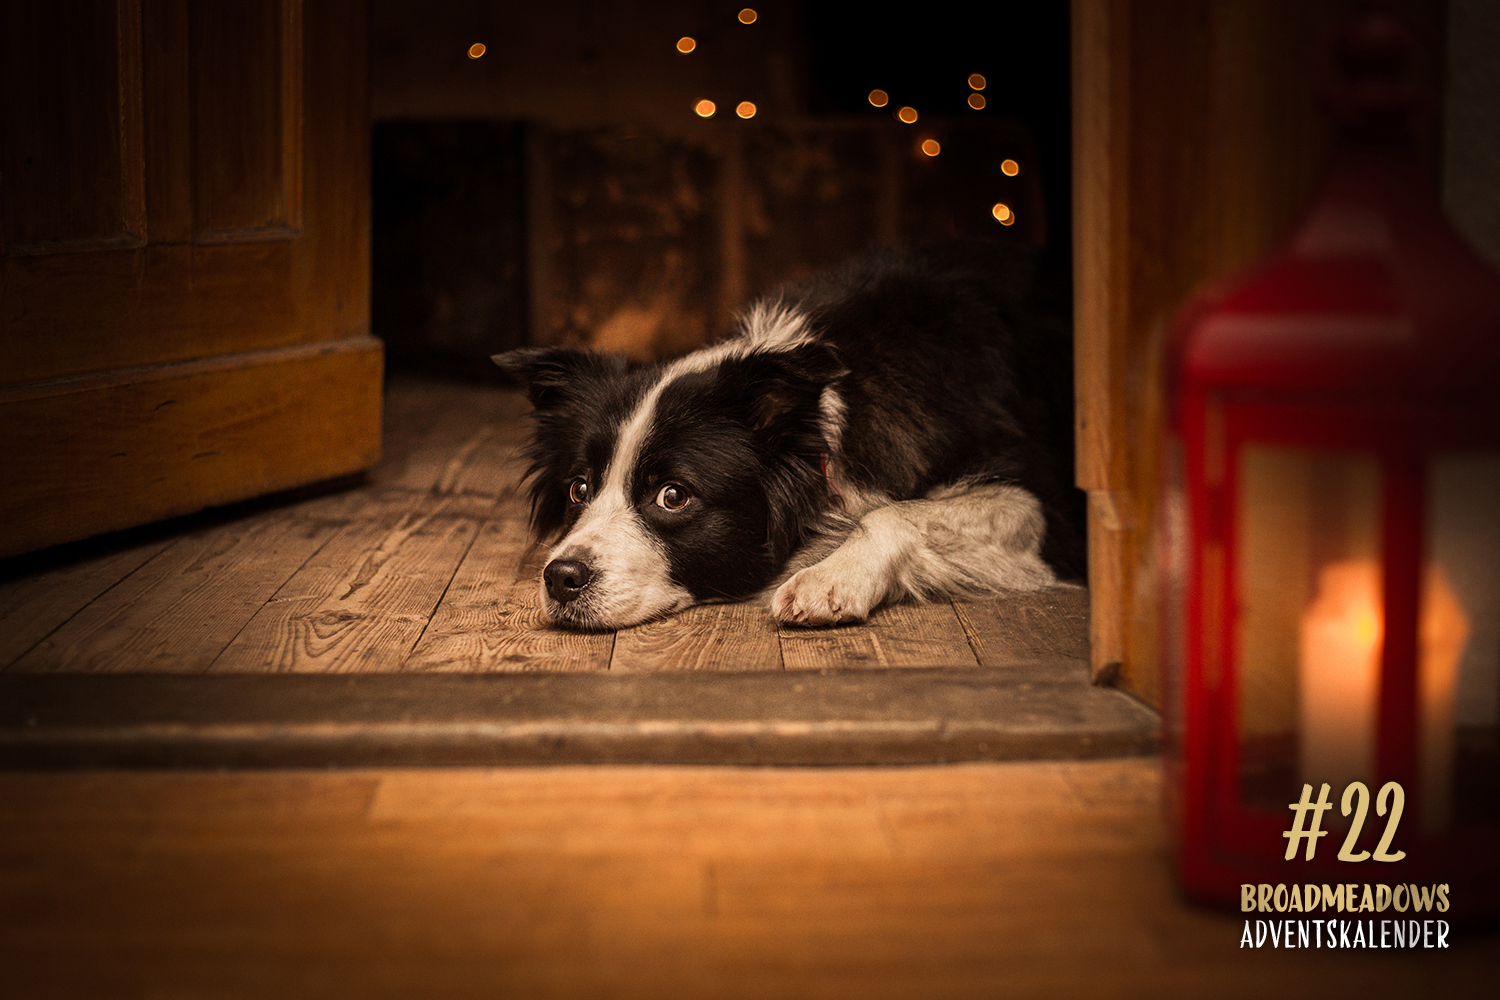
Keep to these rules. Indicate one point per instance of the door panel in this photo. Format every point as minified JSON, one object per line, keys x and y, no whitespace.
{"x":72,"y":166}
{"x":247,"y":117}
{"x":180,"y":187}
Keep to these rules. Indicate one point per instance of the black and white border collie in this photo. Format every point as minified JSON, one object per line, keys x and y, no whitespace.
{"x":910,"y":411}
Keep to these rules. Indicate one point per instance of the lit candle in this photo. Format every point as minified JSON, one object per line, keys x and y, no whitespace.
{"x":1338,"y":672}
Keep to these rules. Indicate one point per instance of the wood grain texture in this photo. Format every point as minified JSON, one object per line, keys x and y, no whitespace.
{"x":899,"y":635}
{"x":427,"y":566}
{"x":490,"y":617}
{"x":35,"y":601}
{"x":361,"y":602}
{"x":179,"y":611}
{"x":168,"y":302}
{"x":901,"y":716}
{"x":93,"y":455}
{"x":1023,"y":630}
{"x":71,"y":122}
{"x":709,"y":637}
{"x":1026,"y":880}
{"x":450,"y":441}
{"x":246,"y":68}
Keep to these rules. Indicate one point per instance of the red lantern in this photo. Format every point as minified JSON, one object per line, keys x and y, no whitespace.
{"x":1331,"y":529}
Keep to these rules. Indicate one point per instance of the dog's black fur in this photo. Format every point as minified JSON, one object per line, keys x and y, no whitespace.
{"x":944,"y":366}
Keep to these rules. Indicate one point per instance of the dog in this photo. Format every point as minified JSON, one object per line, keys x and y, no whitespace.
{"x":910,"y":410}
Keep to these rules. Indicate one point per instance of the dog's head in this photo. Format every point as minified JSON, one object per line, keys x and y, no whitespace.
{"x":673,"y":484}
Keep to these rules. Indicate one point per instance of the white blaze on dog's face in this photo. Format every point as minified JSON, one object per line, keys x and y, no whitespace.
{"x":675,"y":485}
{"x":611,"y":569}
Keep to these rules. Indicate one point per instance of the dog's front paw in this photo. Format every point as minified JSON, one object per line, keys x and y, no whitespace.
{"x":823,"y":595}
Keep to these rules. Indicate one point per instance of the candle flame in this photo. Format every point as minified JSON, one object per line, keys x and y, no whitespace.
{"x":1339,"y":656}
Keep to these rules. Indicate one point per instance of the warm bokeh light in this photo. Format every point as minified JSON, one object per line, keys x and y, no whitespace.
{"x":747,"y":16}
{"x":879,"y":98}
{"x":686,"y":44}
{"x":704,"y":109}
{"x":476,"y":50}
{"x":976,"y":81}
{"x":745,"y":109}
{"x":1010,"y":168}
{"x":931,"y":147}
{"x":907,"y":115}
{"x":976,"y":101}
{"x":1003,"y":214}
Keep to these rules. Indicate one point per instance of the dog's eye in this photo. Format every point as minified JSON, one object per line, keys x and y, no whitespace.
{"x":578,"y":490}
{"x":672,"y":497}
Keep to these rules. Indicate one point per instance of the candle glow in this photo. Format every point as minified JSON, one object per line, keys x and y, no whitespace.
{"x":1338,"y":671}
{"x":1341,"y":636}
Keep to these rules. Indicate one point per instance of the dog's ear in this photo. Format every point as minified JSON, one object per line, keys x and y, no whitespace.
{"x":786,"y":387}
{"x":550,"y":374}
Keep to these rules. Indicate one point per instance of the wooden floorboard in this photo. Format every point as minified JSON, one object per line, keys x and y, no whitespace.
{"x":362,"y":602}
{"x":489,"y":618}
{"x":425,"y":568}
{"x":1024,"y":630}
{"x":181,"y":609}
{"x":1030,"y":880}
{"x":710,"y":637}
{"x":40,"y":595}
{"x":426,"y":565}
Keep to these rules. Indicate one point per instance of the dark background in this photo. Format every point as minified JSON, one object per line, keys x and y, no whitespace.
{"x":560,"y":189}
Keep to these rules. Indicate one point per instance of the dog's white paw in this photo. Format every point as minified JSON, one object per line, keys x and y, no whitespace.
{"x":825,"y":594}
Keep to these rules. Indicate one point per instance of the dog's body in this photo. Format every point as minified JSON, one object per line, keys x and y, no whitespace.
{"x":911,"y":404}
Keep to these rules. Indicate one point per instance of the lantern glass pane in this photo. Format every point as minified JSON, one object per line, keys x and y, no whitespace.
{"x":1307,"y":623}
{"x":1459,"y":663}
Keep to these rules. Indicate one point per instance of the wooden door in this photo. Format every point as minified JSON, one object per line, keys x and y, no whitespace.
{"x":184,"y":236}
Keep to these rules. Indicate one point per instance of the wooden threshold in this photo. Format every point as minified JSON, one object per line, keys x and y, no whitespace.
{"x":908,"y":716}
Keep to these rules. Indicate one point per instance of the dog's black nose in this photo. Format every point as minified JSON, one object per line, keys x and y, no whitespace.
{"x":566,"y":578}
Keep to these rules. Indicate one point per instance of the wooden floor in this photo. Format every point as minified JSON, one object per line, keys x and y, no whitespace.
{"x":1032,"y":879}
{"x":426,"y":567}
{"x":1044,"y":879}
